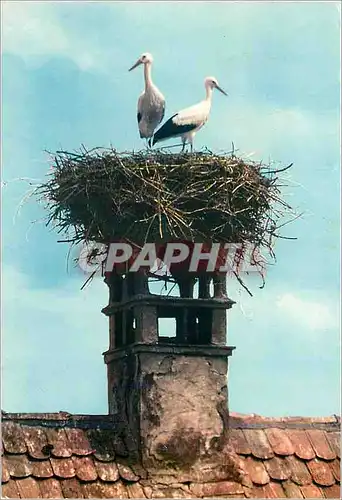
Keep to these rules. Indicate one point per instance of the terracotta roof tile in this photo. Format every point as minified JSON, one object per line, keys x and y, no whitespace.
{"x":320,"y":444}
{"x":239,"y":442}
{"x":57,"y":438}
{"x":334,"y":439}
{"x":274,"y":490}
{"x":135,"y":490}
{"x":302,"y":445}
{"x":13,"y":438}
{"x":4,"y":471}
{"x":126,"y":473}
{"x":107,"y":471}
{"x":278,"y":468}
{"x":279,"y":441}
{"x":321,"y":472}
{"x":291,"y":490}
{"x":71,"y":488}
{"x":36,"y":441}
{"x":42,"y":469}
{"x":256,"y":492}
{"x":50,"y":488}
{"x":85,"y":468}
{"x":299,"y":471}
{"x":104,"y":490}
{"x":335,"y":466}
{"x":311,"y":491}
{"x":258,"y":442}
{"x":333,"y":492}
{"x":270,"y":490}
{"x":216,"y":489}
{"x":10,"y":489}
{"x":168,"y":492}
{"x":19,"y":466}
{"x":78,"y":442}
{"x":91,"y":490}
{"x":63,"y":467}
{"x":28,"y":488}
{"x":102,"y":442}
{"x":279,"y":457}
{"x":256,"y":471}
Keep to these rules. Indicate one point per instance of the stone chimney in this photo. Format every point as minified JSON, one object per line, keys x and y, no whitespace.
{"x":169,"y":396}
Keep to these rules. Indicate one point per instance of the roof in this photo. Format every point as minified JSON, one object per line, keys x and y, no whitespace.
{"x":60,"y":455}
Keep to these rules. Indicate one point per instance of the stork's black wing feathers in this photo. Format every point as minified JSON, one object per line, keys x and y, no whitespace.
{"x":139,"y":115}
{"x":170,"y":129}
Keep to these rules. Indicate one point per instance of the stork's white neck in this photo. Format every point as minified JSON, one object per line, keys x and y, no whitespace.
{"x":147,"y":75}
{"x":208,"y":93}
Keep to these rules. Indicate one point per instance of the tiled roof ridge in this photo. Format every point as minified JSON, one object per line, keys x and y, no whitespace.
{"x":236,"y":420}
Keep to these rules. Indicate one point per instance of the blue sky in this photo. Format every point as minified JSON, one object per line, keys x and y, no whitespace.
{"x":66,"y":82}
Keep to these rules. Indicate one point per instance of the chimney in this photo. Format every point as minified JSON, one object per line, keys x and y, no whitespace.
{"x":169,"y":396}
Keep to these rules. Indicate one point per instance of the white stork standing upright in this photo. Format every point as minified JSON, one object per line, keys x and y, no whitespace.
{"x":151,"y":103}
{"x":187,"y":122}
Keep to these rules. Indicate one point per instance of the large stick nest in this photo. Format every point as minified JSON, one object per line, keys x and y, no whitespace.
{"x":102,"y":195}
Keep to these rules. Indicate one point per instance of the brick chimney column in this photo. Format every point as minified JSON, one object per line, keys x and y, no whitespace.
{"x":169,"y":396}
{"x":170,"y":402}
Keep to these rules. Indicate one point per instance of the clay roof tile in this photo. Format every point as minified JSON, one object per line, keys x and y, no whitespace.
{"x":107,"y":471}
{"x":58,"y":440}
{"x":311,"y":491}
{"x":10,"y":489}
{"x":41,"y":469}
{"x":19,"y":466}
{"x":36,"y":441}
{"x":320,"y":444}
{"x":50,"y":488}
{"x":28,"y":488}
{"x":258,"y":442}
{"x":278,"y":468}
{"x":238,"y":441}
{"x":256,"y":471}
{"x":4,"y":471}
{"x":126,"y":473}
{"x":216,"y":489}
{"x":85,"y":469}
{"x":291,"y":489}
{"x":63,"y":467}
{"x":334,"y":439}
{"x":280,"y":441}
{"x":321,"y":472}
{"x":301,"y":443}
{"x":13,"y":438}
{"x":335,"y":466}
{"x":78,"y":442}
{"x":71,"y":488}
{"x":333,"y":491}
{"x":299,"y":471}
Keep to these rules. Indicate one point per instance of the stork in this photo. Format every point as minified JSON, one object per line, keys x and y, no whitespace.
{"x":187,"y":122}
{"x":151,"y":103}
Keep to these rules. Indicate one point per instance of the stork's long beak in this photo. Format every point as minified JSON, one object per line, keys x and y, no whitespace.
{"x":135,"y":65}
{"x":221,"y":90}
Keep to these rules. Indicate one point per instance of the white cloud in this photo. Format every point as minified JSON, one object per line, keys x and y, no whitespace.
{"x":315,"y":315}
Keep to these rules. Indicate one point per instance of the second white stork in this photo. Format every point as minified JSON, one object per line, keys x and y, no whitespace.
{"x":187,"y":122}
{"x":151,"y":103}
